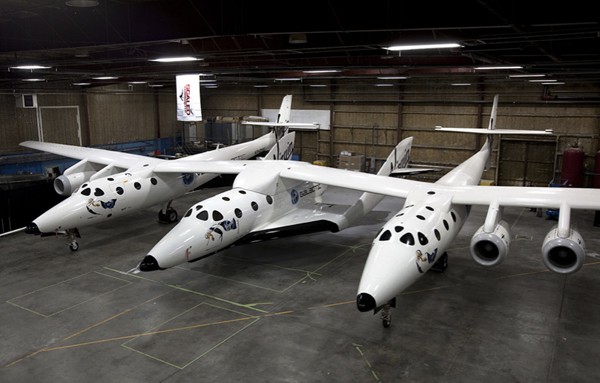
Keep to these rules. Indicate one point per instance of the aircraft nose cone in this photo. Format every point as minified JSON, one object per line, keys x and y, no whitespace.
{"x":32,"y":228}
{"x":149,"y":263}
{"x":365,"y":302}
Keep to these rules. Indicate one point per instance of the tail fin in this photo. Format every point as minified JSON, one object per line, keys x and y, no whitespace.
{"x":397,"y":159}
{"x":492,"y":126}
{"x":283,"y":148}
{"x":282,"y":125}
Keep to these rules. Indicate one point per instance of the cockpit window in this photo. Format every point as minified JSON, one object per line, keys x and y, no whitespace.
{"x":386,"y":236}
{"x":86,"y":191}
{"x":269,"y":199}
{"x":398,"y":229}
{"x":98,"y":192}
{"x":422,"y":239}
{"x":217,"y":216}
{"x":446,"y":225}
{"x":137,"y":185}
{"x":254,"y":206}
{"x":198,"y":207}
{"x":453,"y":216}
{"x":119,"y":190}
{"x":202,"y":216}
{"x":238,"y":213}
{"x":188,"y":213}
{"x":408,"y":239}
{"x":437,"y":234}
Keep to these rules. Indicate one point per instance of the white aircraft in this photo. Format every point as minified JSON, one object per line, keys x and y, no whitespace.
{"x":105,"y":184}
{"x":407,"y":246}
{"x":263,"y":204}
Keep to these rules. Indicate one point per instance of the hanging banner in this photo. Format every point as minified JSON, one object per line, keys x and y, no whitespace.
{"x":188,"y":97}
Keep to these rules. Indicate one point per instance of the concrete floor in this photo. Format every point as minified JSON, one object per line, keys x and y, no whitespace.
{"x":284,"y":310}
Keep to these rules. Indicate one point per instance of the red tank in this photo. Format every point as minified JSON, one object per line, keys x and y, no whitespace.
{"x":596,"y":183}
{"x":572,"y":167}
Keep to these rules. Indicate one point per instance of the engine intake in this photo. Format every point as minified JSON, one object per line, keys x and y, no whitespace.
{"x":563,"y":255}
{"x":490,"y":249}
{"x":65,"y":185}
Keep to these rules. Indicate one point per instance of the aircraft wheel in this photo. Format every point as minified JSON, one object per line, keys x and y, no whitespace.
{"x":386,"y":321}
{"x":171,"y":215}
{"x":74,"y":246}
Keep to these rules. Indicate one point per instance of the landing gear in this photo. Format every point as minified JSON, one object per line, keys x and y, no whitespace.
{"x":169,"y":215}
{"x":386,"y":313}
{"x":441,"y":264}
{"x":71,"y":241}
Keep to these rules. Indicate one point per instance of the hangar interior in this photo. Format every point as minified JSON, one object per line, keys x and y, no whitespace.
{"x":262,"y":312}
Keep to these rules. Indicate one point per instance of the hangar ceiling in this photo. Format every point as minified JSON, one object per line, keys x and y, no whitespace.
{"x":262,"y":42}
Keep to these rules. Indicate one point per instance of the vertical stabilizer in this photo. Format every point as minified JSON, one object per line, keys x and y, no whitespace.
{"x":398,"y":158}
{"x":283,"y":148}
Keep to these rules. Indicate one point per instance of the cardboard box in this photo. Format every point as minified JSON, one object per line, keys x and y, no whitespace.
{"x":352,"y":162}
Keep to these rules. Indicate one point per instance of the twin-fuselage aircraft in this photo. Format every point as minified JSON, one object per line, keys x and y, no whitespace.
{"x":414,"y":240}
{"x":105,"y":184}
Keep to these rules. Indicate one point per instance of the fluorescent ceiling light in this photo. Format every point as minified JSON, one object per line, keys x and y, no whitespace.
{"x":175,"y":59}
{"x":318,"y":85}
{"x":498,"y":67}
{"x":461,"y":84}
{"x":208,"y":80}
{"x":81,"y":83}
{"x":137,"y":82}
{"x":553,"y":83}
{"x":288,"y":79}
{"x":30,"y":67}
{"x":155,"y":85}
{"x":317,"y":71}
{"x":422,"y":46}
{"x":544,"y":80}
{"x":33,"y":79}
{"x":392,"y":78}
{"x":384,"y":84}
{"x":525,"y":75}
{"x":261,"y":86}
{"x":105,"y":78}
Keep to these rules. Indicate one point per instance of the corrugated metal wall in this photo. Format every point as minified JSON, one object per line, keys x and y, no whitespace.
{"x":365,"y":120}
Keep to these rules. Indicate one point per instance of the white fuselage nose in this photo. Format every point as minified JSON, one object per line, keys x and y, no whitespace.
{"x":211,"y":225}
{"x":407,"y":246}
{"x":114,"y":196}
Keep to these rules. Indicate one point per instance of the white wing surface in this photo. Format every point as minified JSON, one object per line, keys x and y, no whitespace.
{"x":100,"y":156}
{"x":548,"y":197}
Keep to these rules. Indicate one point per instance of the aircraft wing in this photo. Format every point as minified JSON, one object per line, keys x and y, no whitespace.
{"x":517,"y":196}
{"x":100,"y":156}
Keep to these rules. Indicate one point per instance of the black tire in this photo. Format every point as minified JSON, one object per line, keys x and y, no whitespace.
{"x":172,"y":216}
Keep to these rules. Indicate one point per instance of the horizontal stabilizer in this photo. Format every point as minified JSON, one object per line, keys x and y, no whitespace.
{"x":299,"y":124}
{"x":494,"y":131}
{"x":411,"y":171}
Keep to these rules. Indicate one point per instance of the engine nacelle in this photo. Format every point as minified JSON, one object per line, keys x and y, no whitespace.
{"x":563,"y":255}
{"x":65,"y":185}
{"x":490,"y":249}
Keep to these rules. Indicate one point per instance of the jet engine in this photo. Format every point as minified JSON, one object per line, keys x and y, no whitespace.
{"x":563,"y":255}
{"x":65,"y":185}
{"x":490,"y":249}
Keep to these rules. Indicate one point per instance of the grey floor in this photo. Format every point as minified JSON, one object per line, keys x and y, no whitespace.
{"x":284,"y":310}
